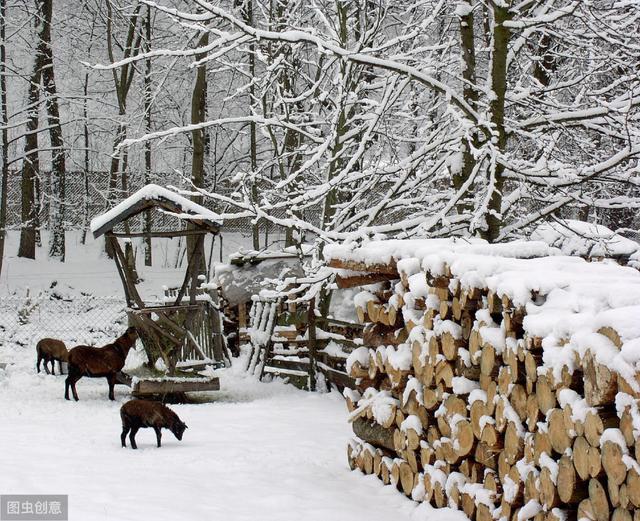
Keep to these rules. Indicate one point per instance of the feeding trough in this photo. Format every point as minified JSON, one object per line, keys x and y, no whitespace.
{"x":183,"y":330}
{"x":172,"y":389}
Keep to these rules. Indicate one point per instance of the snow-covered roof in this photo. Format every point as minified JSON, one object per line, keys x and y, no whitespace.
{"x":151,"y":196}
{"x":584,"y":239}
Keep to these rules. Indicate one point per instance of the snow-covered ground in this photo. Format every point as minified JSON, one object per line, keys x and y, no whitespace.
{"x":258,"y":451}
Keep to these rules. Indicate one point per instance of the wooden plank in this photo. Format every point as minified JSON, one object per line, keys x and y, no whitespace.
{"x":142,"y":387}
{"x":286,"y":364}
{"x":339,"y":378}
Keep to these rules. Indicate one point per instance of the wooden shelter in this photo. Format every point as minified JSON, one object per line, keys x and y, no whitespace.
{"x":179,"y":329}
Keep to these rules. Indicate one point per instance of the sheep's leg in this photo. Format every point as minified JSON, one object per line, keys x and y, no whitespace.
{"x":158,"y":435}
{"x":132,"y":437}
{"x":123,"y":436}
{"x":73,"y":387}
{"x":60,"y":366}
{"x":71,"y":382}
{"x":53,"y":366}
{"x":46,"y":367}
{"x":111,"y":379}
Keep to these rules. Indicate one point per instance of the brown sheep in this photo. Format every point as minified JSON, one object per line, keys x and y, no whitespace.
{"x":50,"y":350}
{"x":99,"y":362}
{"x":138,"y":414}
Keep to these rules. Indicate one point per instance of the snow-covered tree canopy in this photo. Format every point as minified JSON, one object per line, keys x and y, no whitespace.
{"x":422,"y":117}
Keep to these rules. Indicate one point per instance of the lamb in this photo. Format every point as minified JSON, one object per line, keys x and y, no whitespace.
{"x":144,"y":413}
{"x":50,"y":350}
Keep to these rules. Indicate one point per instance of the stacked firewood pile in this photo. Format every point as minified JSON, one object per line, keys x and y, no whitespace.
{"x":498,"y":380}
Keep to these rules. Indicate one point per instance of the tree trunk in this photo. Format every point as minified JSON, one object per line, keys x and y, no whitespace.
{"x":85,"y":201}
{"x":467,"y":37}
{"x":247,"y":13}
{"x":198,"y":115}
{"x":500,"y":51}
{"x":122,"y":84}
{"x":58,"y":166}
{"x":5,"y":136}
{"x":31,"y":166}
{"x":148,"y":256}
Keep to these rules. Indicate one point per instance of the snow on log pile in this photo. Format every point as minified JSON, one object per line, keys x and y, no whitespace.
{"x":502,"y":380}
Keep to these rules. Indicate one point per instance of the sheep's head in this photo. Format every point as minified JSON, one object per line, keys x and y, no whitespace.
{"x":178,"y":429}
{"x":132,"y":334}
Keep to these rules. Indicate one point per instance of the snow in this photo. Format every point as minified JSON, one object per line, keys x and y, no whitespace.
{"x":400,"y":358}
{"x":152,"y":192}
{"x":614,"y":436}
{"x":360,"y":355}
{"x":462,"y":385}
{"x":411,"y":422}
{"x":585,"y":239}
{"x":529,"y":510}
{"x":257,"y":450}
{"x":361,"y":299}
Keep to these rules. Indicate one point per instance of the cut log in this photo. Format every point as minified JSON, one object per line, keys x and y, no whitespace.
{"x":541,"y":443}
{"x":599,"y":501}
{"x":570,"y":490}
{"x":633,"y":487}
{"x":580,"y":456}
{"x":450,"y":345}
{"x":620,"y":514}
{"x":548,"y":490}
{"x":600,"y":385}
{"x":585,"y":511}
{"x":374,"y":434}
{"x":513,"y":444}
{"x":558,"y":434}
{"x":375,"y":335}
{"x":612,"y":462}
{"x":544,"y":393}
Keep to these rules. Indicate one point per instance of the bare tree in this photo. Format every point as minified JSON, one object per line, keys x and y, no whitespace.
{"x":5,"y":130}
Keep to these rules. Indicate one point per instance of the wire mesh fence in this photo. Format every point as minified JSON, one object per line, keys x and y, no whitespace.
{"x":84,"y":320}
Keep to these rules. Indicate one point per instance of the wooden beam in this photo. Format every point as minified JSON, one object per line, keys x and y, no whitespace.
{"x":170,"y":234}
{"x":374,"y":267}
{"x":362,"y":279}
{"x":125,"y":273}
{"x":164,"y":309}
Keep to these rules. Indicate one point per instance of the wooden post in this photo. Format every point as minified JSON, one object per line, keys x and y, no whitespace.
{"x":312,"y":344}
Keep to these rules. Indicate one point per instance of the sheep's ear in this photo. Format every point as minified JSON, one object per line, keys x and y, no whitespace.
{"x":185,"y":426}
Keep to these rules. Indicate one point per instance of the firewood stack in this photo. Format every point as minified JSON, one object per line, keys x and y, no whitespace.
{"x":498,"y":380}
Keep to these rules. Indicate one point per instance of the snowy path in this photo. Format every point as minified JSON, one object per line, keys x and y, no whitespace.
{"x":261,"y":452}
